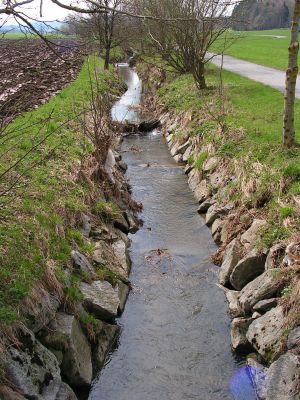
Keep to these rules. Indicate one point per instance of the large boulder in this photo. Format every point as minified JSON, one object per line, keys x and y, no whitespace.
{"x":106,"y":337}
{"x":210,"y":164}
{"x":294,"y":338}
{"x":265,"y":333}
{"x":33,"y":369}
{"x":258,"y":375}
{"x":251,"y":237}
{"x":216,"y":230}
{"x":110,"y":165}
{"x":275,"y":256}
{"x":44,"y":310}
{"x":231,"y":257}
{"x":195,"y":177}
{"x":123,"y":292}
{"x":232,"y":298}
{"x":86,"y":225}
{"x":65,"y":393}
{"x":248,"y":268}
{"x":217,"y":211}
{"x":283,"y":377}
{"x":206,"y":204}
{"x":264,"y":306}
{"x":202,"y":191}
{"x":263,"y":287}
{"x":101,"y":299}
{"x":187,"y":154}
{"x":81,"y":263}
{"x":113,"y":257}
{"x":66,"y":339}
{"x":239,"y":327}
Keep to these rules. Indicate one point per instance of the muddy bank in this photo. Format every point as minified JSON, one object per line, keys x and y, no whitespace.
{"x":251,"y":273}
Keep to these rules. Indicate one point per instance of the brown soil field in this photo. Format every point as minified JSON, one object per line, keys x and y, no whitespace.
{"x":30,"y":73}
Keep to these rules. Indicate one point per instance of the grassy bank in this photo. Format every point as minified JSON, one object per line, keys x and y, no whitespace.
{"x":246,"y":134}
{"x":38,"y":215}
{"x":268,"y":48}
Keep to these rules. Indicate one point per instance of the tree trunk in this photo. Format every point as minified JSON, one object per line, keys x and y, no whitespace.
{"x":107,"y":57}
{"x":290,"y":83}
{"x":199,"y":75}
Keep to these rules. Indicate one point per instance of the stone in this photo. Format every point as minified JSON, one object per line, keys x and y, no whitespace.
{"x":216,"y":180}
{"x":264,"y":306}
{"x":182,"y":148}
{"x":100,"y":299}
{"x":133,"y":222}
{"x":210,"y":164}
{"x":294,"y":338}
{"x":32,"y":369}
{"x":117,"y":156}
{"x":231,"y":257}
{"x":110,"y":164}
{"x":188,"y":169}
{"x":120,"y":222}
{"x":275,"y":256}
{"x":265,"y":333}
{"x":120,"y":251}
{"x":217,"y":211}
{"x":106,"y":337}
{"x":123,"y":292}
{"x":122,"y":165}
{"x":263,"y":287}
{"x":282,"y":378}
{"x":293,"y":253}
{"x":188,"y":152}
{"x":216,"y":230}
{"x":256,"y":315}
{"x":81,"y":263}
{"x":169,"y":137}
{"x":65,"y":335}
{"x":247,"y":269}
{"x":112,"y":256}
{"x":174,"y":149}
{"x":250,"y":238}
{"x":178,"y":158}
{"x":205,"y":205}
{"x":195,"y":178}
{"x":232,"y":298}
{"x":65,"y":393}
{"x":202,"y":191}
{"x":44,"y":310}
{"x":239,"y":327}
{"x":86,"y":225}
{"x":258,"y":375}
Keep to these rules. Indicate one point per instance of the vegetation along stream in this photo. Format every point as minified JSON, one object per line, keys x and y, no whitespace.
{"x":175,"y":329}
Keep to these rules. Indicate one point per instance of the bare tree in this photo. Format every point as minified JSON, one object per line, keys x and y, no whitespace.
{"x":291,"y":80}
{"x":185,"y":45}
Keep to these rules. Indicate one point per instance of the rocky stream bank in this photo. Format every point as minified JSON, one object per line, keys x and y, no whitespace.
{"x":70,"y":324}
{"x":250,"y":274}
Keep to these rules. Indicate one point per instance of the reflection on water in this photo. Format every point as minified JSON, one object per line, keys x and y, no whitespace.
{"x":175,"y":340}
{"x":124,"y":109}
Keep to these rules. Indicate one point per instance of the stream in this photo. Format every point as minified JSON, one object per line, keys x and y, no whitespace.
{"x":175,"y":331}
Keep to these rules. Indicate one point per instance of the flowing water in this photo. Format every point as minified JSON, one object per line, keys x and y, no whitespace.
{"x":175,"y":339}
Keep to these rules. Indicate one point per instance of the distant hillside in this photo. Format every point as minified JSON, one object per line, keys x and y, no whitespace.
{"x":262,"y":14}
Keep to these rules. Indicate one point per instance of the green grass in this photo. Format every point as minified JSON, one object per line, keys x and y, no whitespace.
{"x":36,"y":216}
{"x":258,"y":47}
{"x":252,"y":142}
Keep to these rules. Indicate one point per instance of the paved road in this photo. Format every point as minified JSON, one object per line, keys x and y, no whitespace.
{"x":268,"y":76}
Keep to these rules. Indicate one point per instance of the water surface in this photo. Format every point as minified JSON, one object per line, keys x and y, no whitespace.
{"x":175,"y":340}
